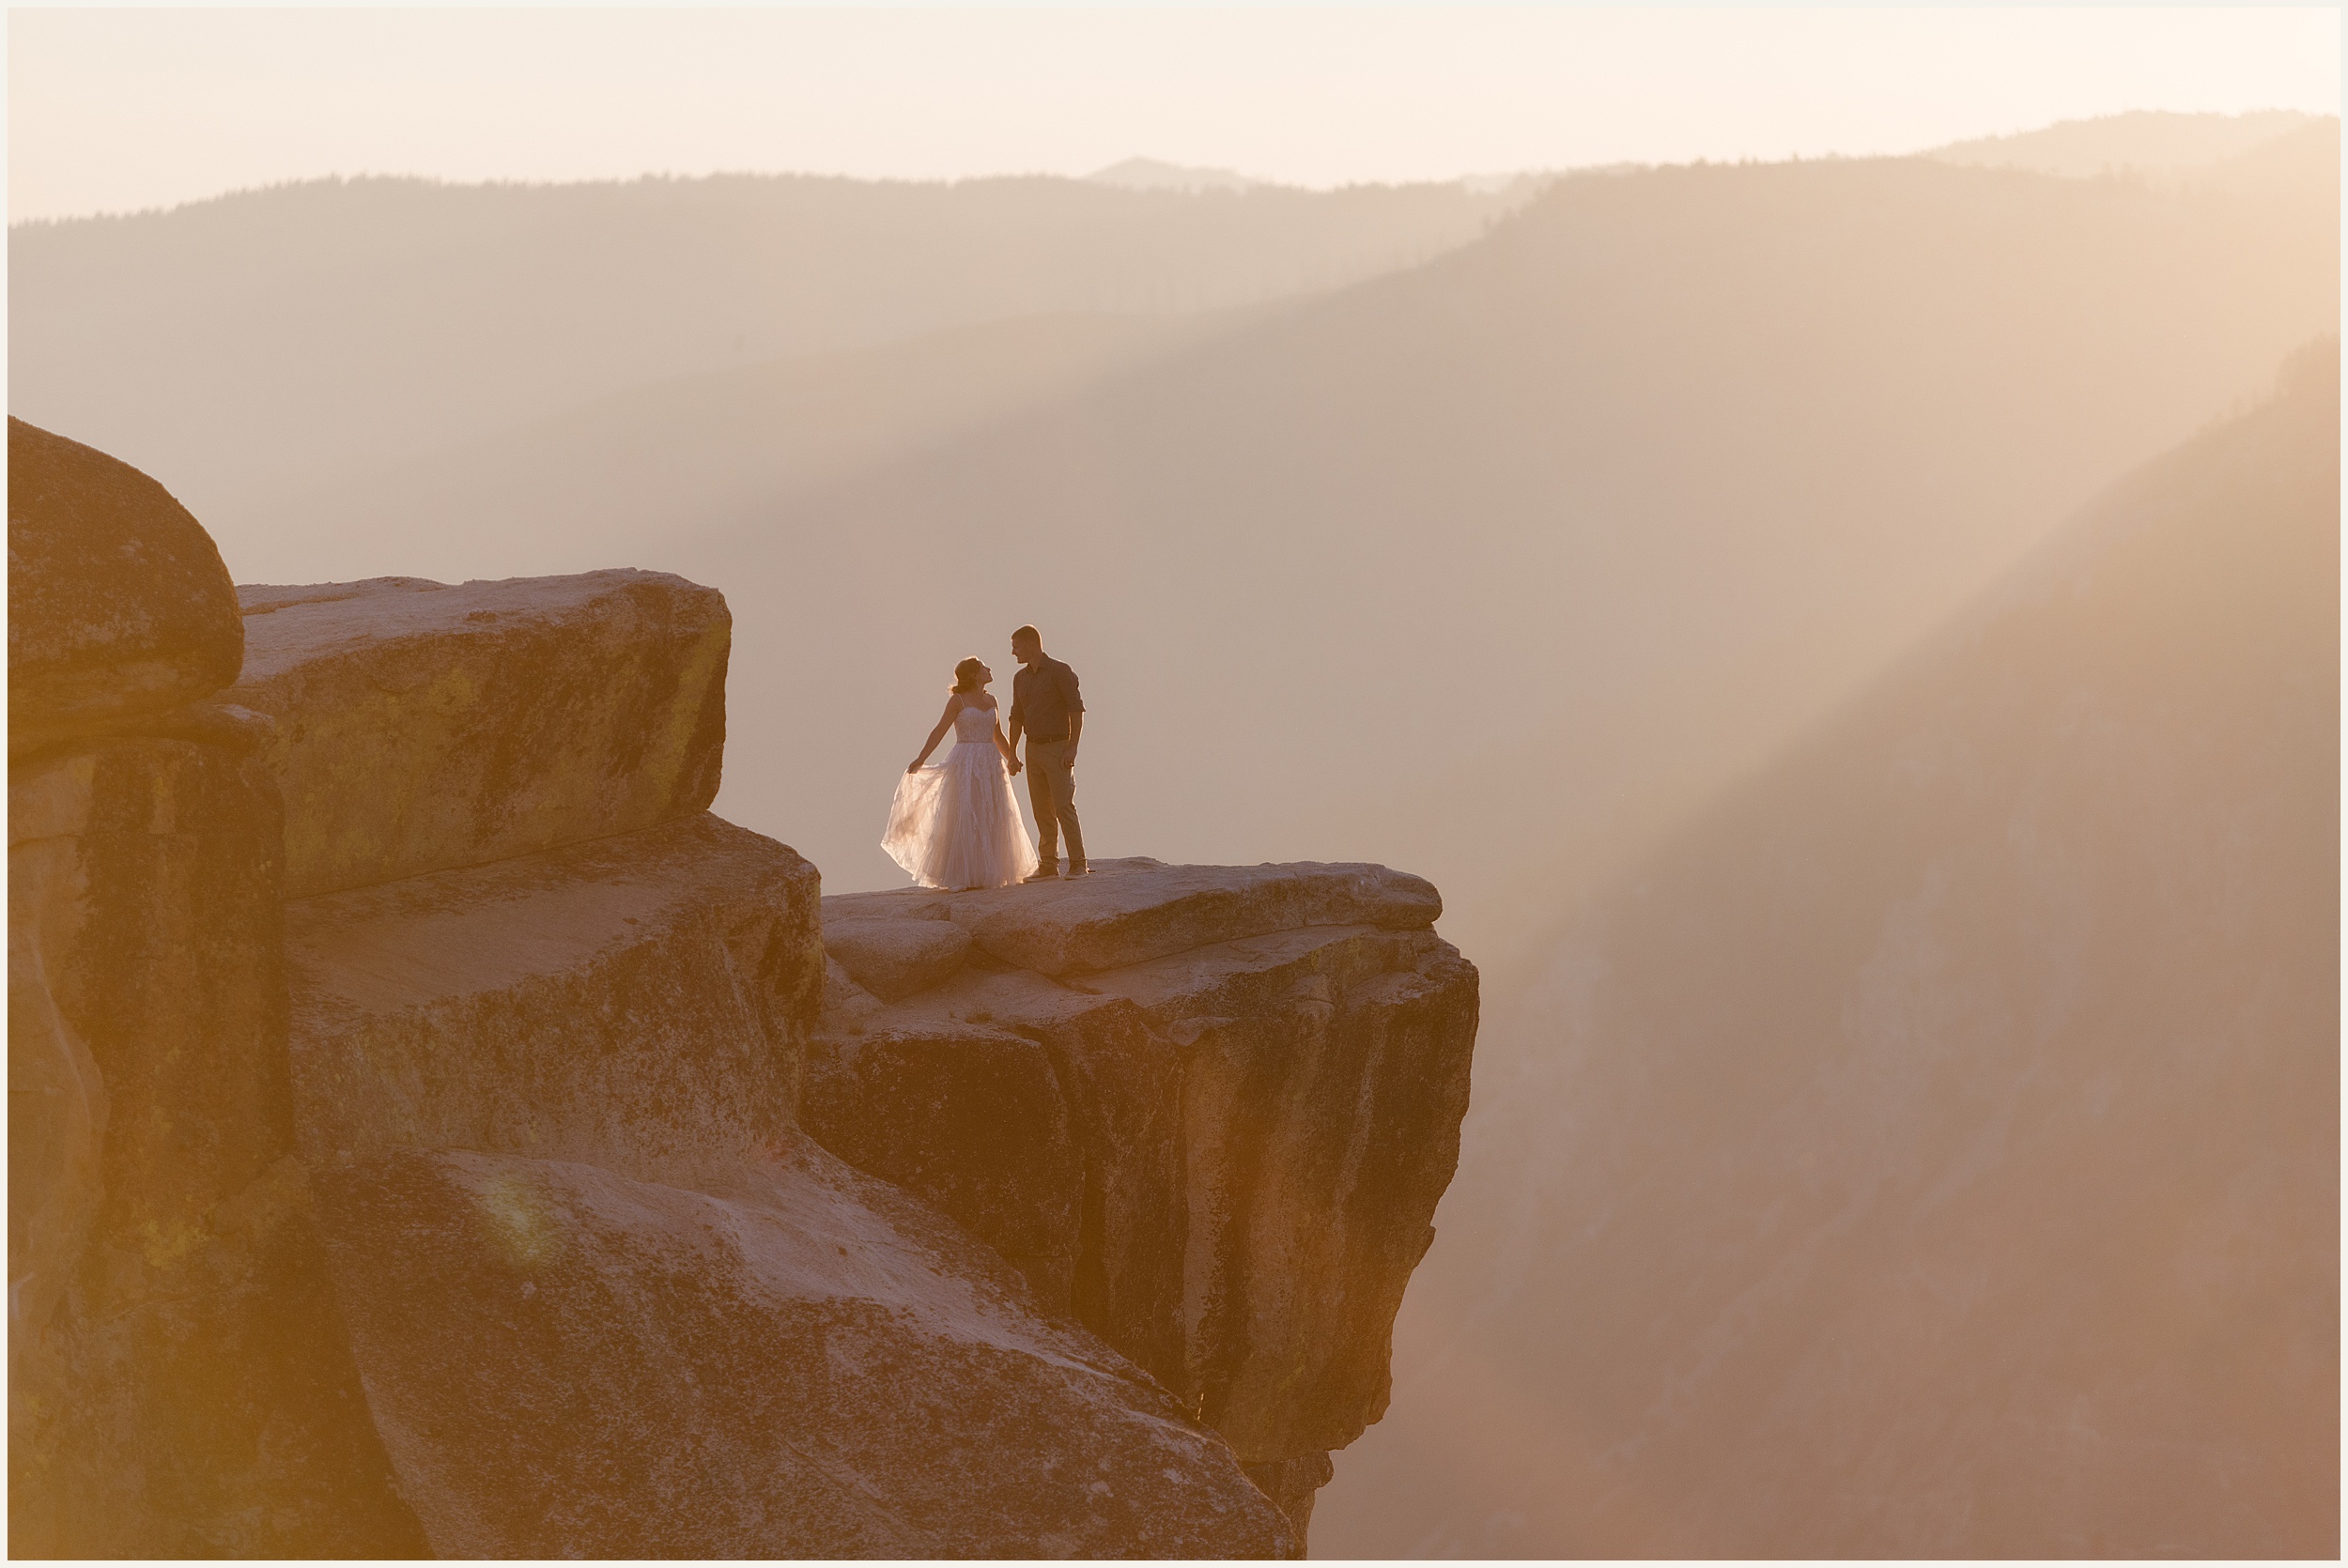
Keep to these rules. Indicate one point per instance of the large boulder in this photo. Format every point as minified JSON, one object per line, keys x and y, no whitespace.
{"x":423,"y":726}
{"x":640,"y":1002}
{"x":118,"y":604}
{"x":608,"y":1300}
{"x":459,"y":1204}
{"x":179,"y":1381}
{"x":1263,"y":1121}
{"x":805,"y":1362}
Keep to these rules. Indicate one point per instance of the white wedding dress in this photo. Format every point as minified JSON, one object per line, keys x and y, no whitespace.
{"x":954,"y":824}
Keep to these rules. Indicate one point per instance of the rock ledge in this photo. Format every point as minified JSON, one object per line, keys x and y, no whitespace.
{"x":1207,"y":1111}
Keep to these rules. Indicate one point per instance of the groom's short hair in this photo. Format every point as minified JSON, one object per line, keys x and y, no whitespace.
{"x":1031,"y":632}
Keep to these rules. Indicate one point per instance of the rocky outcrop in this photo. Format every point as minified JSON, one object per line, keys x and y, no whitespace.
{"x":179,"y":1380}
{"x":424,"y":727}
{"x":1214,"y":1130}
{"x":584,"y":1064}
{"x":463,"y":1202}
{"x":119,"y":604}
{"x":808,"y":1364}
{"x":639,"y":1002}
{"x":608,"y":1300}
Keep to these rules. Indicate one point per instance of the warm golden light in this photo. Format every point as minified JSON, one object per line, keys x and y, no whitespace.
{"x":1700,"y":650}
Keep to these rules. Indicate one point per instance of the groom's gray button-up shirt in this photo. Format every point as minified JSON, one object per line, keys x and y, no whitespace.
{"x":1042,"y":696}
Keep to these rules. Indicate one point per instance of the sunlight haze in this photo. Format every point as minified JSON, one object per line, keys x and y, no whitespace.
{"x":1709,"y":650}
{"x":114,"y":111}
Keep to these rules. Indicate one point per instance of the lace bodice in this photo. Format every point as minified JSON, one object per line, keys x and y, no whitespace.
{"x":975,"y":727}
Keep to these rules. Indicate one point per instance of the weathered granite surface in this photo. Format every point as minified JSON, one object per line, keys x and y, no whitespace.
{"x":423,"y":726}
{"x":607,"y":1300}
{"x":976,"y":1123}
{"x":179,"y":1380}
{"x":640,"y":1002}
{"x":1292,"y":1485}
{"x":1091,"y":923}
{"x":118,"y":604}
{"x":806,"y":1363}
{"x":180,"y":1383}
{"x":894,"y":958}
{"x":1262,"y":1122}
{"x":462,"y":1204}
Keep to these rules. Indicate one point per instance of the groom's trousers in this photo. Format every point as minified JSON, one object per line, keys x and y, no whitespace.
{"x":1052,"y":790}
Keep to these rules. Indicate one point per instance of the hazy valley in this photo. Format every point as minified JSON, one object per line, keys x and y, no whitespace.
{"x":1878,"y":864}
{"x":1934,"y":1150}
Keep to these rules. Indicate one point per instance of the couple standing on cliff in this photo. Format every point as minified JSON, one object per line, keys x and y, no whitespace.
{"x":955,"y":825}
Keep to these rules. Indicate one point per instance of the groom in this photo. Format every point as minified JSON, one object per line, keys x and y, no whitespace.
{"x":1043,"y":701}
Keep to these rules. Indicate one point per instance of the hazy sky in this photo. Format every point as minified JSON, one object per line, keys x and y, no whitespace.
{"x":120,"y":109}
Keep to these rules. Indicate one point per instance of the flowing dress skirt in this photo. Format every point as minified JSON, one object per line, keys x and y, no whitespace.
{"x":955,"y":823}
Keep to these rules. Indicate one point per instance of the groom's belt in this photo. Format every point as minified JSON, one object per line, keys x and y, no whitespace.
{"x":1048,"y":740}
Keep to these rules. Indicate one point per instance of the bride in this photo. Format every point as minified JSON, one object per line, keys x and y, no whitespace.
{"x":955,"y":825}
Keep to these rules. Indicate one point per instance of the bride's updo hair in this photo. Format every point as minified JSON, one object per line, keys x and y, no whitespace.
{"x":966,"y":675}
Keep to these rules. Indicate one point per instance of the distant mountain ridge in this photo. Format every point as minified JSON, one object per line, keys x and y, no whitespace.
{"x":262,"y":342}
{"x":1149,"y":174}
{"x":2145,"y":142}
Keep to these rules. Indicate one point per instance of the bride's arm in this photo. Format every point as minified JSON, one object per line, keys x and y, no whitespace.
{"x":953,"y":706}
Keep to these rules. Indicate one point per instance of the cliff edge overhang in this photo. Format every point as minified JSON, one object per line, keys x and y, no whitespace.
{"x":434,"y":1131}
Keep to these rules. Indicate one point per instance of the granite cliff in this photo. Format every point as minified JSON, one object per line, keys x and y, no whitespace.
{"x":434,"y":1131}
